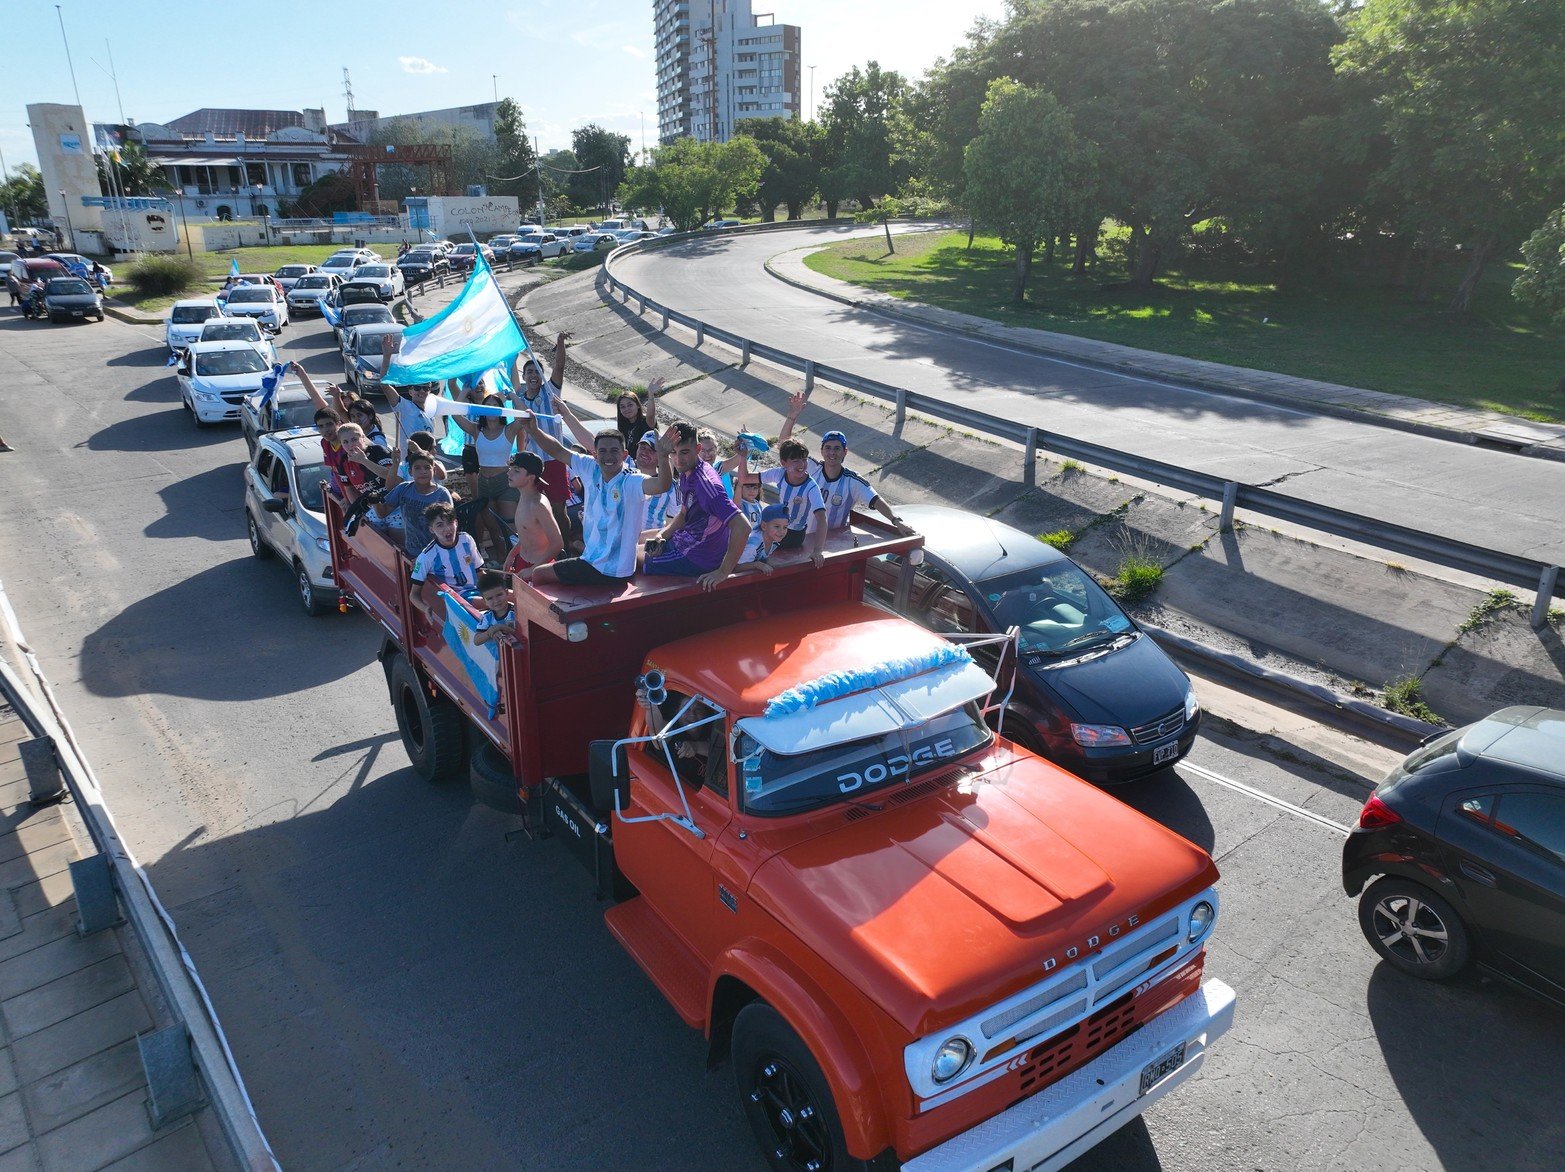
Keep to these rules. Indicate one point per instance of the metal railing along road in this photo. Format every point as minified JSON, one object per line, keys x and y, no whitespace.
{"x":1511,"y":569}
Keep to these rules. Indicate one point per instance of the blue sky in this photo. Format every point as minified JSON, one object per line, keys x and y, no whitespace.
{"x":568,"y":62}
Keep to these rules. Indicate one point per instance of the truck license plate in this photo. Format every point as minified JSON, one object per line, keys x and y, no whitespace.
{"x":1154,"y":1072}
{"x":1165,"y":752}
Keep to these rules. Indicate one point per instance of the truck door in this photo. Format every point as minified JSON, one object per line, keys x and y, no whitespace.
{"x":670,"y":866}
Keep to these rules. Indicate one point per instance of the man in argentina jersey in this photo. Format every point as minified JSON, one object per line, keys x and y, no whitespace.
{"x":801,"y":496}
{"x":661,"y":508}
{"x":842,"y":489}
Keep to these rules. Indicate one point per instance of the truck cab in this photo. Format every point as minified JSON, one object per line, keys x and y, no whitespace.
{"x":917,"y":944}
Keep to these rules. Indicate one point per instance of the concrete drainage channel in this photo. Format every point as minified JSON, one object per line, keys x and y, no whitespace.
{"x":189,"y":1069}
{"x":1226,"y":612}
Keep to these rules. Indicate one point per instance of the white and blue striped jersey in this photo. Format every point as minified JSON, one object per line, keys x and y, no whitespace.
{"x":848,"y":492}
{"x":757,"y":549}
{"x":659,"y":509}
{"x":802,"y":501}
{"x":456,"y":566}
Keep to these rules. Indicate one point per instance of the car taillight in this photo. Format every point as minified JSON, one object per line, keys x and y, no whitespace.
{"x":1376,"y":815}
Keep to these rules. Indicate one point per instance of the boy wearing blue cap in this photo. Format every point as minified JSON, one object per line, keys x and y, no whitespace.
{"x":765,"y":539}
{"x":842,"y":489}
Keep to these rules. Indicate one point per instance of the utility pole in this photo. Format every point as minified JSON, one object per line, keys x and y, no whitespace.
{"x":68,"y":60}
{"x":495,"y":78}
{"x":347,"y":91}
{"x":116,"y":79}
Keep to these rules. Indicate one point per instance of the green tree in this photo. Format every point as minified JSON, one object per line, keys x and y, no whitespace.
{"x":1469,"y":91}
{"x":693,"y":181}
{"x":791,"y":175}
{"x":332,"y":192}
{"x":858,"y":125}
{"x":134,"y":173}
{"x":604,"y":157}
{"x":475,"y":159}
{"x":22,"y":195}
{"x":1029,"y":177}
{"x":517,"y":159}
{"x":1541,"y":285}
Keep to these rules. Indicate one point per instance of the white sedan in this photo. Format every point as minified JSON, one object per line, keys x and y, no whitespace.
{"x":262,"y":302}
{"x":240,"y":329}
{"x":215,"y":377}
{"x":387,"y":279}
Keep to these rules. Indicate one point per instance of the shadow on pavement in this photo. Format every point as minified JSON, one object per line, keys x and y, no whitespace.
{"x":1167,"y":797}
{"x":164,"y":431}
{"x":208,"y":505}
{"x":152,"y":356}
{"x":1439,"y":1046}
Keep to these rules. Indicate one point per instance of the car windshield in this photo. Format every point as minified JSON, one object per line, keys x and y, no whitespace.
{"x":253,"y":295}
{"x":311,"y":479}
{"x":299,"y":413}
{"x":464,"y":249}
{"x":231,"y":331}
{"x":375,"y":271}
{"x":363,"y":314}
{"x":190,"y":314}
{"x":68,"y":287}
{"x":293,"y":270}
{"x":339,"y":262}
{"x":533,"y":238}
{"x":218,"y":362}
{"x":370,"y":345}
{"x":314,"y":282}
{"x":1058,"y":608}
{"x":777,"y":783}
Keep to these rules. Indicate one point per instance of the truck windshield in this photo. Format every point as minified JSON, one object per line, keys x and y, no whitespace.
{"x":1058,"y":609}
{"x":777,"y":783}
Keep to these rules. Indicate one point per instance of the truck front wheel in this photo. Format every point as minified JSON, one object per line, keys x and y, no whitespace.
{"x":786,"y":1096}
{"x":431,"y":726}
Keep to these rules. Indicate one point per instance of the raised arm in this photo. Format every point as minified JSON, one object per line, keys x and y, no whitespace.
{"x":552,"y":447}
{"x":557,"y":374}
{"x":664,"y":480}
{"x":310,"y":388}
{"x":386,"y":351}
{"x":795,"y":409}
{"x":577,"y":428}
{"x":649,"y":409}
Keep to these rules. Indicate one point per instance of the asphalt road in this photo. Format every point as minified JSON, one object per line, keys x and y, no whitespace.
{"x":1491,"y":498}
{"x":405,"y":986}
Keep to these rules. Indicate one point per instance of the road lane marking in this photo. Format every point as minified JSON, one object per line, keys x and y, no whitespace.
{"x":1265,"y":798}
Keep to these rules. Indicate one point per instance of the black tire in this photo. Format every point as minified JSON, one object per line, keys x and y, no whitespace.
{"x":258,"y":547}
{"x":432,"y":727}
{"x":492,"y":779}
{"x":1415,"y":931}
{"x":785,"y":1096}
{"x":309,"y":594}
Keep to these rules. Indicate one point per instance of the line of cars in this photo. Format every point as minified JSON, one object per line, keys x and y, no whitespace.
{"x":67,"y":295}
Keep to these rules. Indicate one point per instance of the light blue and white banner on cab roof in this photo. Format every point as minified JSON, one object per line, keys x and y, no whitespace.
{"x":473,"y":333}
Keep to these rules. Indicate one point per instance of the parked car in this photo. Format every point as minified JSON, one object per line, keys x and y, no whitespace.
{"x":289,"y":275}
{"x":71,"y":298}
{"x":501,"y":244}
{"x":285,"y":512}
{"x":364,"y":346}
{"x":568,"y":232}
{"x":722,"y":224}
{"x":362,"y":314}
{"x":386,"y":278}
{"x":215,"y":377}
{"x":422,"y":264}
{"x":289,"y":406}
{"x":631,"y":235}
{"x":594,"y":242}
{"x":462,"y":256}
{"x":341,"y":264}
{"x":185,"y":319}
{"x":6,"y":258}
{"x":308,"y":292}
{"x":262,"y":302}
{"x":1465,"y":842}
{"x":1094,"y":693}
{"x":240,"y":329}
{"x":538,"y":246}
{"x":25,"y":270}
{"x":81,"y":266}
{"x":528,"y":229}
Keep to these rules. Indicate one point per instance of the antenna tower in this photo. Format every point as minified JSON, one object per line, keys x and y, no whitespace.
{"x":347,"y":91}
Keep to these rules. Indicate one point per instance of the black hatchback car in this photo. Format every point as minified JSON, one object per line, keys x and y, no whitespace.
{"x":1465,"y":841}
{"x":1094,"y":693}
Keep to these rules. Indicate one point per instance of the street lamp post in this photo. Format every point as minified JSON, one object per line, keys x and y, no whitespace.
{"x":184,"y":224}
{"x":72,"y":231}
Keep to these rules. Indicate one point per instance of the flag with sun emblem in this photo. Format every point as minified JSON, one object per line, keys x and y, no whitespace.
{"x":473,"y":333}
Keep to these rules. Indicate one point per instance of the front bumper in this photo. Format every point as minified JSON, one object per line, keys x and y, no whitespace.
{"x":1049,"y":1130}
{"x":218,"y":412}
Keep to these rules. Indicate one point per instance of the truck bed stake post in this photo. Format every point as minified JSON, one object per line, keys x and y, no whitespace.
{"x":1225,"y":522}
{"x":1030,"y":458}
{"x":1546,"y":584}
{"x":809,"y":375}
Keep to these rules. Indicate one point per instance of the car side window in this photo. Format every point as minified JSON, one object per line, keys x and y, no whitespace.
{"x":278,"y":480}
{"x":263,"y":466}
{"x":1537,"y":821}
{"x":880,"y":578}
{"x":1479,"y":809}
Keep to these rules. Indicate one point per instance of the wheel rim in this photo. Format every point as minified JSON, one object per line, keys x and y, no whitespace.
{"x":306,"y":588}
{"x":798,"y":1130}
{"x":1408,"y":928}
{"x":255,"y":534}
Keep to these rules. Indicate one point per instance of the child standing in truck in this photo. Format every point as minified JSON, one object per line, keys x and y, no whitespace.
{"x":801,"y":496}
{"x":765,"y":539}
{"x":450,"y":559}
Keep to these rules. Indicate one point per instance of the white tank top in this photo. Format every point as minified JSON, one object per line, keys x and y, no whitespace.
{"x":493,"y":453}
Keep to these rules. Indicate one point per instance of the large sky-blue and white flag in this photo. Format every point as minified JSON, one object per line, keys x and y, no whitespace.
{"x":332,"y":317}
{"x":472,"y":334}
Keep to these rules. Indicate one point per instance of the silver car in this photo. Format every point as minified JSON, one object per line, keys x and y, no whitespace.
{"x":285,"y":512}
{"x":308,"y":292}
{"x":289,"y":406}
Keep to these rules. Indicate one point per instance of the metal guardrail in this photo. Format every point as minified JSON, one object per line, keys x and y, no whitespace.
{"x":1511,"y":569}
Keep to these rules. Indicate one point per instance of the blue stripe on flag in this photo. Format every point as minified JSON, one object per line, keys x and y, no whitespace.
{"x":270,"y":382}
{"x":233,"y":267}
{"x":475,"y":332}
{"x":333,"y":317}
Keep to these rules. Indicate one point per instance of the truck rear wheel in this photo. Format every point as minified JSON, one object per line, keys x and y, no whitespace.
{"x":786,"y":1096}
{"x":431,"y":726}
{"x":492,"y":779}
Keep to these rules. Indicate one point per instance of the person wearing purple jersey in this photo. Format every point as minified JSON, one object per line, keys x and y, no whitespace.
{"x":709,"y":534}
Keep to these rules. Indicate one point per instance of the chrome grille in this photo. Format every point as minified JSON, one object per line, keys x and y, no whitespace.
{"x":1164,"y":726}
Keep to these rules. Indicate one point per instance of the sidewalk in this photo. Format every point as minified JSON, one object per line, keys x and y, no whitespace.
{"x":1439,"y":420}
{"x":72,"y":1091}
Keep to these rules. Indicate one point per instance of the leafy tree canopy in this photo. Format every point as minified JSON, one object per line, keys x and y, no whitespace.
{"x":693,"y":181}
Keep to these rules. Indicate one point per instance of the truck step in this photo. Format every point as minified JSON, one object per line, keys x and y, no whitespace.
{"x":675,"y":970}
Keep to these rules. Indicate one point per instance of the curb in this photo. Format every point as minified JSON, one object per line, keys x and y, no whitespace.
{"x":129,"y":315}
{"x":1129,"y":366}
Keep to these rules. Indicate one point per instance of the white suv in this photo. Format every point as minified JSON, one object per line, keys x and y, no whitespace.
{"x":215,"y":377}
{"x":285,"y":512}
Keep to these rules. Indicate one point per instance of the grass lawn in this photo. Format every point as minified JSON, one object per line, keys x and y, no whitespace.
{"x":1357,"y":331}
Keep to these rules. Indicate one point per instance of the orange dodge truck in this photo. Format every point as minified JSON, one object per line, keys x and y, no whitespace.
{"x":919,"y":945}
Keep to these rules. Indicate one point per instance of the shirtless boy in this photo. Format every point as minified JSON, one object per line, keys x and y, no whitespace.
{"x":538,"y":538}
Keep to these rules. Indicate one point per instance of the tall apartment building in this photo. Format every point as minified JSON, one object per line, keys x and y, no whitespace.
{"x":718,"y":63}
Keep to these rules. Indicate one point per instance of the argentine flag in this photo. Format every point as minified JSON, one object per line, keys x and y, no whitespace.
{"x":233,"y":268}
{"x":472,"y":334}
{"x":332,"y":316}
{"x":270,"y":382}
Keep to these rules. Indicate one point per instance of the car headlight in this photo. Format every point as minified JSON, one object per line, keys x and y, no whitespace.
{"x":953,"y":1057}
{"x":206,"y":396}
{"x":1192,"y":705}
{"x":1099,"y":736}
{"x":1201,"y":917}
{"x":324,"y":545}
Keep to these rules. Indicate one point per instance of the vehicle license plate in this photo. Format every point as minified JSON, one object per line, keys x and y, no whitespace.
{"x":1165,"y":752}
{"x":77,"y":312}
{"x":1154,"y":1072}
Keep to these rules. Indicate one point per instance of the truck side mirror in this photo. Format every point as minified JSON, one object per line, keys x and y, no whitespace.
{"x":608,"y":775}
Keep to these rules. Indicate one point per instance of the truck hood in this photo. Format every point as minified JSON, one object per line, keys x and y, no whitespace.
{"x":947,"y":903}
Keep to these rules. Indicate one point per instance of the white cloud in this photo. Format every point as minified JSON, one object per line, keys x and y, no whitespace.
{"x":419,"y":65}
{"x":634,"y":51}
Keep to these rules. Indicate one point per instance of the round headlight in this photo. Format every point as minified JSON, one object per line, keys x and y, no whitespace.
{"x":951,"y":1059}
{"x":1201,"y":917}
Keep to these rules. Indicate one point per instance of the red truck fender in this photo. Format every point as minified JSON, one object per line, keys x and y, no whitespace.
{"x":755,"y":969}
